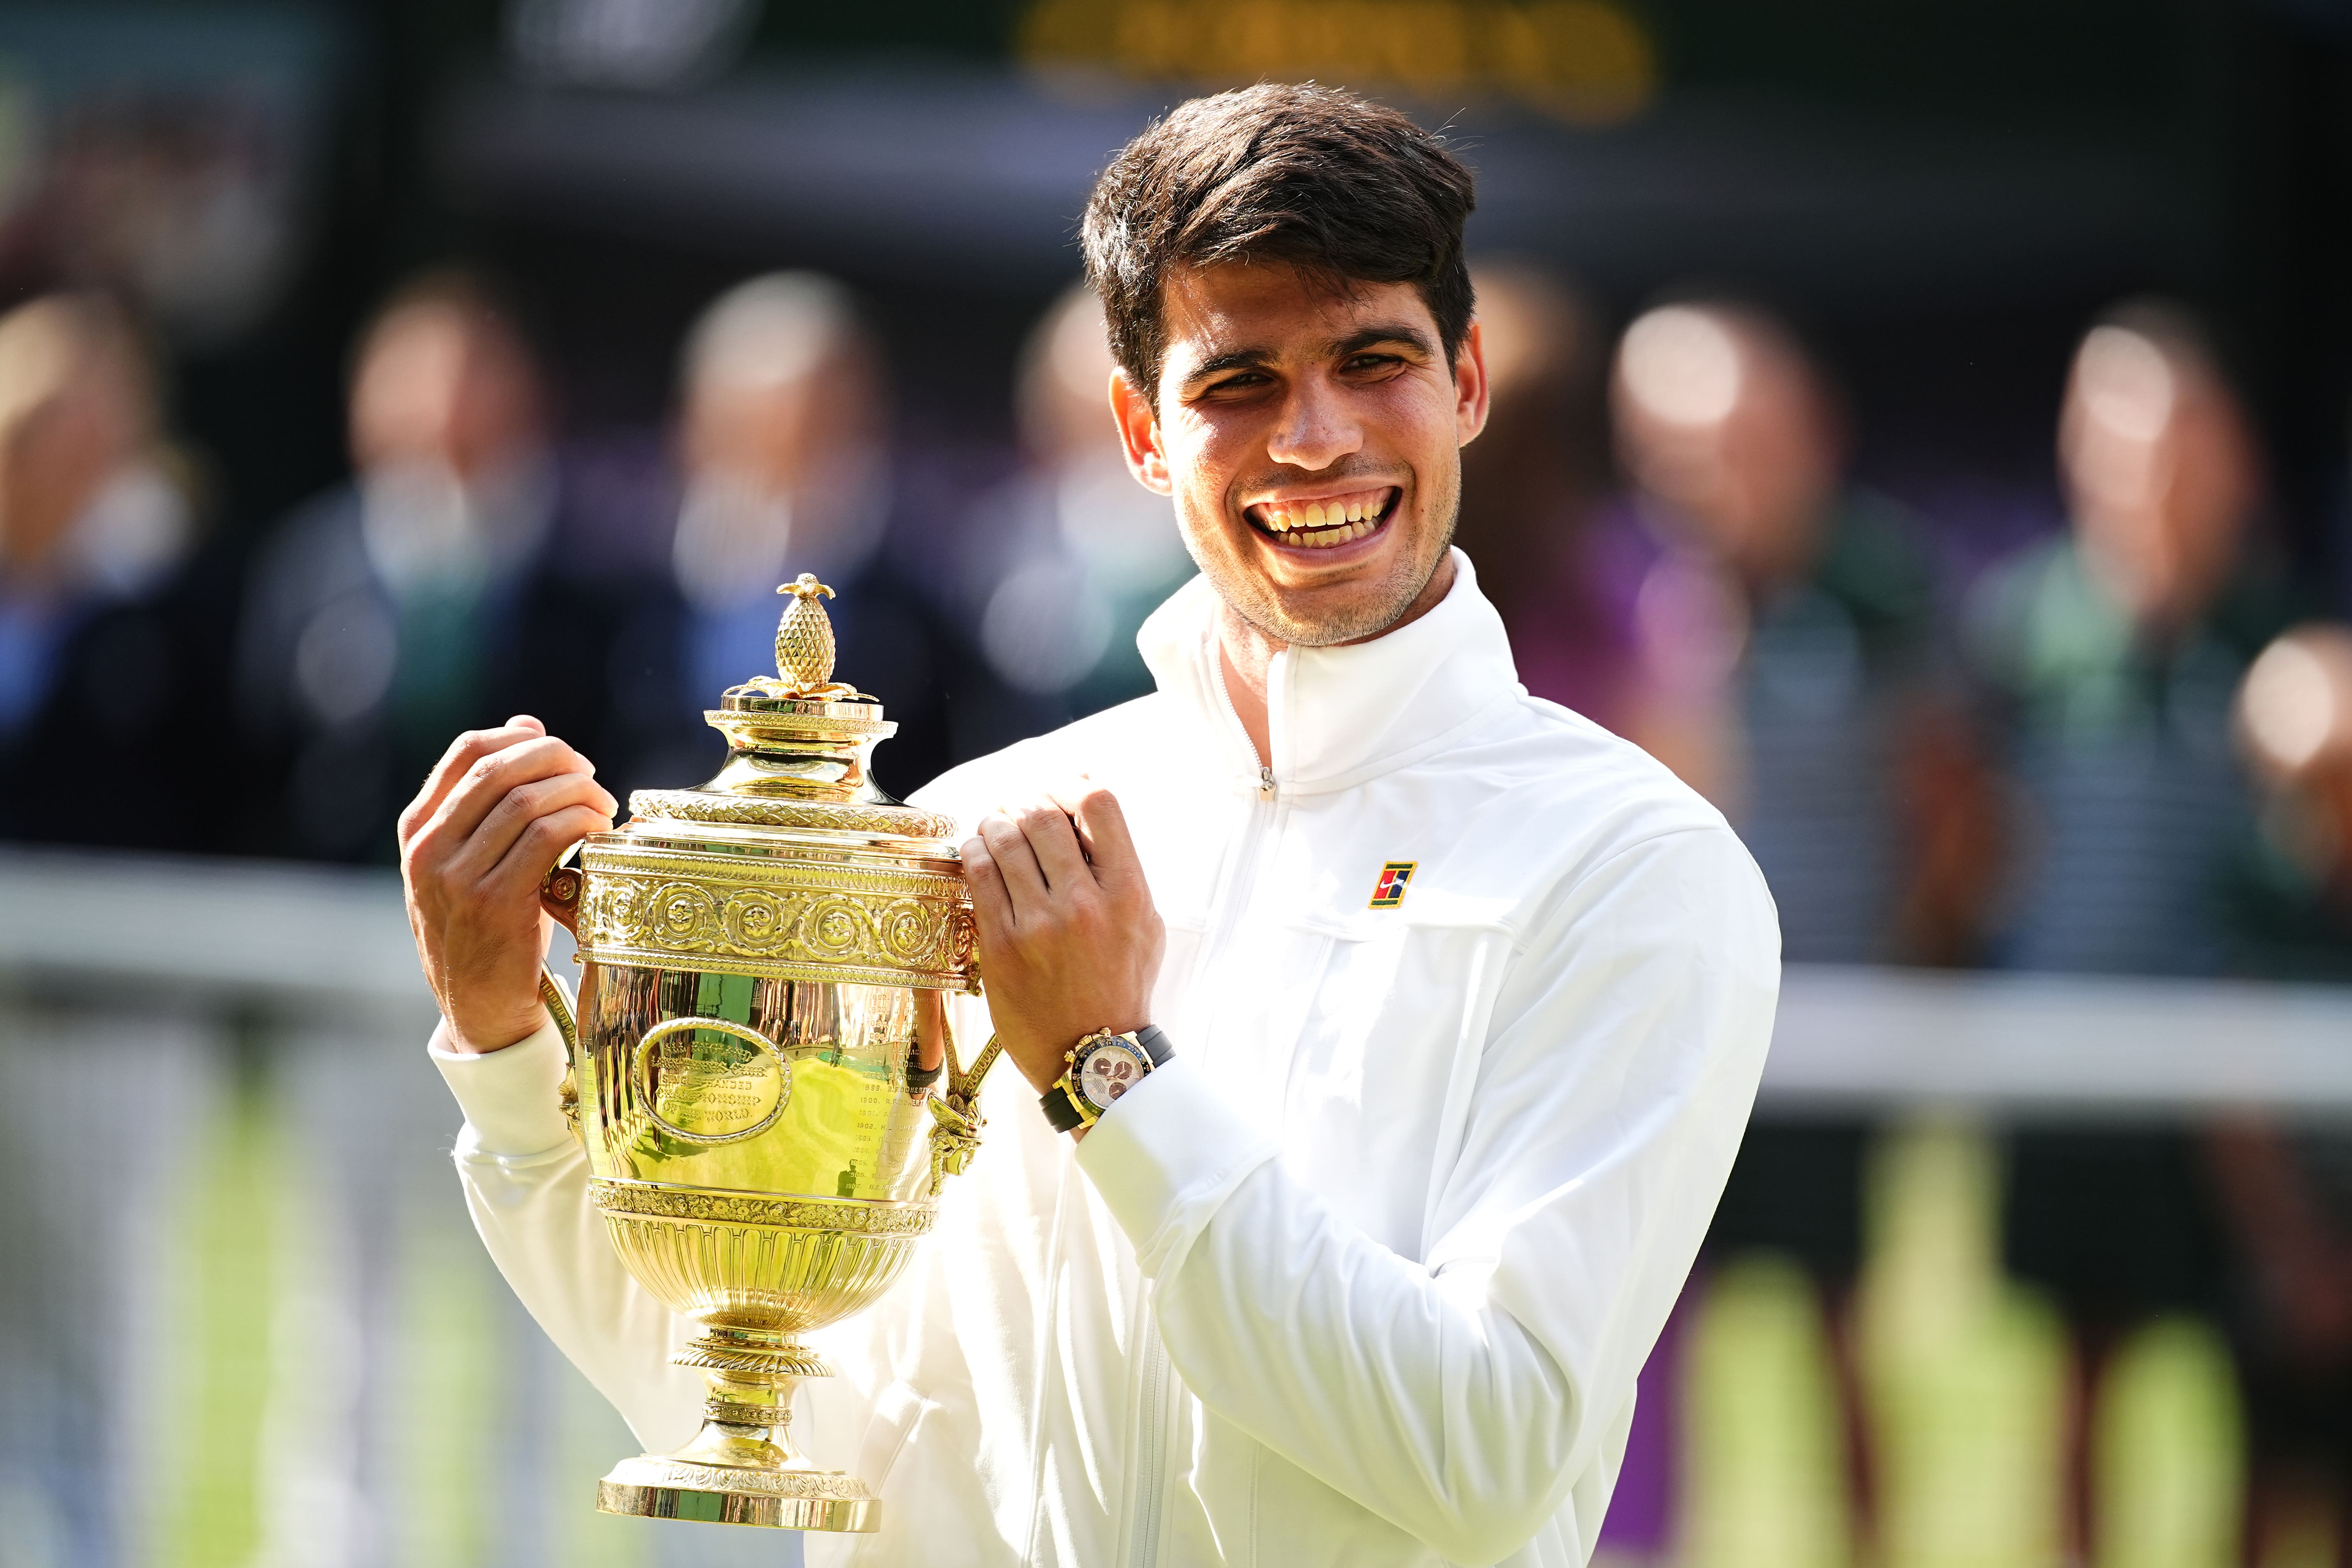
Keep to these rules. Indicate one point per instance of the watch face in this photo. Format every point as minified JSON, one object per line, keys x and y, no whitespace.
{"x":1108,"y":1070}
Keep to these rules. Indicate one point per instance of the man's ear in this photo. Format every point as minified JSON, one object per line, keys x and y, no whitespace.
{"x":1139,"y":434}
{"x":1470,"y":386}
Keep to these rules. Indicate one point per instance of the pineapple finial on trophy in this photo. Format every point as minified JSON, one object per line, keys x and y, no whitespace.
{"x":805,"y":635}
{"x":804,"y":650}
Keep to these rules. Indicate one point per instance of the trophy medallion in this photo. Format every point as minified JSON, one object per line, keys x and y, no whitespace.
{"x":761,"y":1070}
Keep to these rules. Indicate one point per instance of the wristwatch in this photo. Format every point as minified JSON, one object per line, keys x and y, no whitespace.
{"x":1101,"y":1067}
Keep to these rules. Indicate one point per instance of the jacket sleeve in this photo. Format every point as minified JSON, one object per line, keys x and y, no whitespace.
{"x":1465,"y":1396}
{"x":526,"y":1181}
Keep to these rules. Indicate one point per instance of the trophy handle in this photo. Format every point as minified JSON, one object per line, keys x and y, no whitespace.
{"x":963,"y":1083}
{"x":559,"y":895}
{"x":559,"y":1007}
{"x":957,"y":1121}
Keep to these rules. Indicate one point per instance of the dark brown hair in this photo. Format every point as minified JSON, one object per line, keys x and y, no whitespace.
{"x":1312,"y":176}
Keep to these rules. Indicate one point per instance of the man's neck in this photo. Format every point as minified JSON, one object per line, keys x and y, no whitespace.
{"x":1246,"y":653}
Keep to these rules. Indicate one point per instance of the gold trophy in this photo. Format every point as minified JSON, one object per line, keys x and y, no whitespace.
{"x":764,"y":960}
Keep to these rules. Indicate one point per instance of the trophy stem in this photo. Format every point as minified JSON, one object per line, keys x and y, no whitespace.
{"x":741,"y":1468}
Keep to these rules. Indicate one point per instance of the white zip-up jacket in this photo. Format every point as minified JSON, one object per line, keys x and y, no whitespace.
{"x":1363,"y":1277}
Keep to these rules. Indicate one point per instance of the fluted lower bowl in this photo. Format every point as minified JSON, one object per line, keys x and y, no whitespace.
{"x":775,"y":1265}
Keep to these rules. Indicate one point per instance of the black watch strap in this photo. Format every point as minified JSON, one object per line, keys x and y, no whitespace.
{"x":1060,"y":1110}
{"x":1063,"y":1113}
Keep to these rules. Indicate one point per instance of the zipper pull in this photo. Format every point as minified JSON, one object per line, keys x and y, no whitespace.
{"x":1264,"y":782}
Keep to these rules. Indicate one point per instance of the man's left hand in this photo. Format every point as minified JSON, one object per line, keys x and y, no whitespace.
{"x":1069,"y":939}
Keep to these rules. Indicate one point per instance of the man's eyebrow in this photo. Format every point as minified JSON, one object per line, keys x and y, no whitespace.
{"x":1234,"y":359}
{"x":1373,"y":336}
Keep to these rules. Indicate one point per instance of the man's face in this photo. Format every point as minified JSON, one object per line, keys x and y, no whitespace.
{"x":1311,"y":439}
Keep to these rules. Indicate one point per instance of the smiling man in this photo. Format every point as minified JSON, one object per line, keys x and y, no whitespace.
{"x":1388,"y":1033}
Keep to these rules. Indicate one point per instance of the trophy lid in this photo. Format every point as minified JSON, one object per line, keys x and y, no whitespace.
{"x":790,"y":863}
{"x":798,"y":748}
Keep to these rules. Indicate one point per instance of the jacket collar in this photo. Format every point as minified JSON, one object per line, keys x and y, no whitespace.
{"x":1341,"y":715}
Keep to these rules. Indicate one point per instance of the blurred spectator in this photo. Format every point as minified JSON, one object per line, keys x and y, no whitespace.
{"x":2287,"y":1191}
{"x":2116,"y":650}
{"x":2291,"y":905}
{"x":1783,"y":627}
{"x":1529,"y":487}
{"x":1062,"y":562}
{"x":426,"y":596}
{"x":1781,"y":654}
{"x":112,"y":628}
{"x":785,"y":467}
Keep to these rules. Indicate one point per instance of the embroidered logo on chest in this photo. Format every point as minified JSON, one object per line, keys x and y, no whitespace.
{"x":1389,"y":891}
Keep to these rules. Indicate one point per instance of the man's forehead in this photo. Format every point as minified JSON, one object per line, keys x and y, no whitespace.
{"x":1279,"y":309}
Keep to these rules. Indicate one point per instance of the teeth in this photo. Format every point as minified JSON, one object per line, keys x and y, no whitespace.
{"x":1319,"y":523}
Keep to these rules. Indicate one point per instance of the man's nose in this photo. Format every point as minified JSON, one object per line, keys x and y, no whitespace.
{"x":1316,"y":429}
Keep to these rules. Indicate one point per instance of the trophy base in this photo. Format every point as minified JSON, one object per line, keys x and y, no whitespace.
{"x":654,"y":1487}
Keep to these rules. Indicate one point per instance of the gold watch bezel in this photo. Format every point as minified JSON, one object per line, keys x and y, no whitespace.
{"x":1088,"y":1113}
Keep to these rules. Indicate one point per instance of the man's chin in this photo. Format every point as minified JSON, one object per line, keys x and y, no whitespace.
{"x":1325,"y":615}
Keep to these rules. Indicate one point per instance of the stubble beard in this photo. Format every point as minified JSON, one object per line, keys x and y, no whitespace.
{"x":1366,"y":615}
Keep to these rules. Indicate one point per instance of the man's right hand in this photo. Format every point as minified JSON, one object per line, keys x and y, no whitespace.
{"x":497,"y":813}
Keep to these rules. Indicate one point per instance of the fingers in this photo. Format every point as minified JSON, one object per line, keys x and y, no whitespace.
{"x":481,"y":787}
{"x":992,"y":904}
{"x":1016,"y":866}
{"x":1102,"y":826}
{"x":463,"y":752}
{"x":1047,"y":828}
{"x":539,"y":846}
{"x":515,"y":812}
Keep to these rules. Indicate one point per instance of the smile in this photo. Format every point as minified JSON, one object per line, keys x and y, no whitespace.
{"x":1325,"y":522}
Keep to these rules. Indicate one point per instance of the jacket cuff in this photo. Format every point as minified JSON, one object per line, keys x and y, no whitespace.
{"x":509,"y":1096}
{"x":1165,"y":1157}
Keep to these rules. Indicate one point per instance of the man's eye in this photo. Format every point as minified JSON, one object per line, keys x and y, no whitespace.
{"x":1373,"y":362}
{"x":1248,"y":381}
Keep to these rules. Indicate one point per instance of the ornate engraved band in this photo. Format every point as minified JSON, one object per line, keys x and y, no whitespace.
{"x":682,"y":1473}
{"x":850,"y":1216}
{"x":814,"y":918}
{"x":699,"y":805}
{"x":751,"y":711}
{"x":736,"y":1415}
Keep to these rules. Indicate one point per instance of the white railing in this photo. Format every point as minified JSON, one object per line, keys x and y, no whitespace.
{"x":241,"y":935}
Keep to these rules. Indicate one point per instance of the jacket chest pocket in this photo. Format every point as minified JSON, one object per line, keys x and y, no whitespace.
{"x":1387,"y":1049}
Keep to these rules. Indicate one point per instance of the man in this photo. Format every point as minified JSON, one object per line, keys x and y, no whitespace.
{"x":2113,"y":653}
{"x":114,"y":617}
{"x":431,"y":592}
{"x":782,"y":468}
{"x":1466,"y":999}
{"x":1064,"y":562}
{"x":1784,"y":631}
{"x":2284,"y":1191}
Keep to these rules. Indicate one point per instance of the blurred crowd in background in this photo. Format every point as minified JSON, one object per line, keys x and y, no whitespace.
{"x":313,"y":451}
